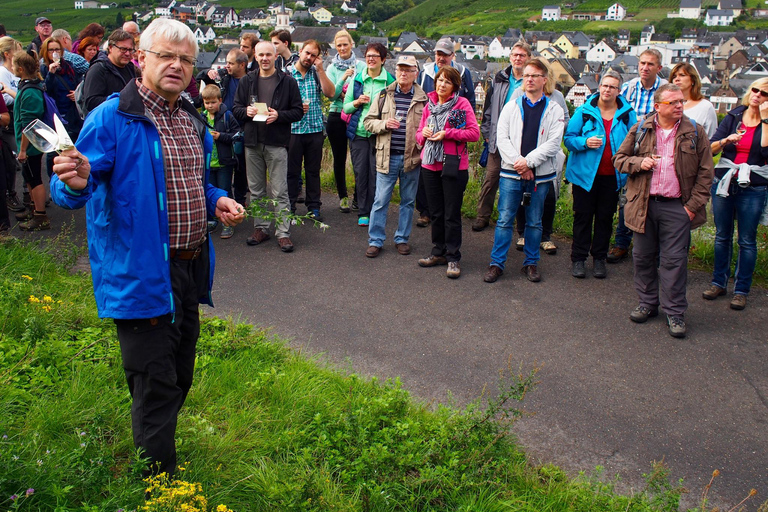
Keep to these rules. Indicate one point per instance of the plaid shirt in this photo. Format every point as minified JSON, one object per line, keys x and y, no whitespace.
{"x":640,"y":98}
{"x":309,"y":86}
{"x":184,"y":161}
{"x":664,"y":180}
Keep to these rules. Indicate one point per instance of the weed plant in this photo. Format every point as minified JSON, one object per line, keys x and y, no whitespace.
{"x":264,"y":428}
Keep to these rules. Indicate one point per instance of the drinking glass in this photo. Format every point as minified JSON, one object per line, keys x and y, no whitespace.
{"x":741,"y":129}
{"x":41,"y":136}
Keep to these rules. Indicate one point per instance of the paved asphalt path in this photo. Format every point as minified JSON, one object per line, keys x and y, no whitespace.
{"x":610,"y":393}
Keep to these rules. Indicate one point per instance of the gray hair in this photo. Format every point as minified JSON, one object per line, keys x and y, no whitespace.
{"x":172,"y":30}
{"x":652,"y":51}
{"x":661,"y":90}
{"x":611,"y":74}
{"x":240,"y":56}
{"x":131,"y":24}
{"x":59,"y":34}
{"x":523,"y":46}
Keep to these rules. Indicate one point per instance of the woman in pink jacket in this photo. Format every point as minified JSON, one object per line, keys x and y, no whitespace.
{"x":447,"y":124}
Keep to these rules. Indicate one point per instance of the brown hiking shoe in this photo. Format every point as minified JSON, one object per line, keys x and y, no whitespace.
{"x":739,"y":301}
{"x":422,"y":221}
{"x":285,"y":244}
{"x":403,"y":249}
{"x":259,"y":235}
{"x":38,"y":222}
{"x":713,"y":292}
{"x":532,"y":273}
{"x":493,"y":274}
{"x":372,"y":251}
{"x":617,"y":254}
{"x":432,"y":261}
{"x":25,"y":214}
{"x":479,"y":224}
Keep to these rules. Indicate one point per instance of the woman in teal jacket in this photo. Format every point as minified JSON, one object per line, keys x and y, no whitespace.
{"x":593,"y":136}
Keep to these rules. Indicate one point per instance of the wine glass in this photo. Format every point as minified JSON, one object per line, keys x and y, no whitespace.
{"x":399,"y":116}
{"x":41,"y":136}
{"x":741,"y":129}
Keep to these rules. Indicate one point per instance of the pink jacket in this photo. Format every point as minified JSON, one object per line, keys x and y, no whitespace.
{"x":455,"y":141}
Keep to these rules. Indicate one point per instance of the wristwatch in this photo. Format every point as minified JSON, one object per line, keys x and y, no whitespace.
{"x":764,"y":121}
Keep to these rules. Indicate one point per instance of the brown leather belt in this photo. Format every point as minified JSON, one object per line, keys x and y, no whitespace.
{"x":186,"y":254}
{"x":663,"y":199}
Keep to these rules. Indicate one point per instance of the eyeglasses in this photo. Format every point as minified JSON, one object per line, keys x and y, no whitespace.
{"x":761,"y":93}
{"x":519,"y":55}
{"x":373,"y":56}
{"x":123,"y":50}
{"x":406,"y":70}
{"x":673,"y":103}
{"x":609,"y":87}
{"x":533,"y":76}
{"x":168,"y":58}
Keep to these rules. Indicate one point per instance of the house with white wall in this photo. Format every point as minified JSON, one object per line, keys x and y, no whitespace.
{"x":616,"y":12}
{"x":550,"y":13}
{"x":602,"y":52}
{"x":718,"y":18}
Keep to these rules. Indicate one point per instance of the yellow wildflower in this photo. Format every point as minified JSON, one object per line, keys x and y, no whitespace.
{"x":47,"y":309}
{"x":25,"y":276}
{"x":34,"y":300}
{"x":47,"y":298}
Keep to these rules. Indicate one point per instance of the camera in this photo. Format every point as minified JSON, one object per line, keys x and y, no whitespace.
{"x":526,"y":199}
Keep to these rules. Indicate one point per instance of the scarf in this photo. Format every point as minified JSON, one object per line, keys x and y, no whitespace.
{"x":438,"y":115}
{"x":344,"y":64}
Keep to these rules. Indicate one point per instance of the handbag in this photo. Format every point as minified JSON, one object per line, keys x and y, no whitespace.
{"x":484,"y":156}
{"x":451,"y":166}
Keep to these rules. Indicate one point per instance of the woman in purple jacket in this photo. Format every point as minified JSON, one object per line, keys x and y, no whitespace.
{"x":447,"y":124}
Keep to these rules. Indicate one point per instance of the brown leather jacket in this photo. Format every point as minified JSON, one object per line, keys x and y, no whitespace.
{"x":693,"y":166}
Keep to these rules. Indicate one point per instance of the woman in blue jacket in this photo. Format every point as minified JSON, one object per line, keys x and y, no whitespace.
{"x":593,"y":136}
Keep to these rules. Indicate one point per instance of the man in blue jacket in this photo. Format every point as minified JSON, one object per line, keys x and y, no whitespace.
{"x":141,"y":171}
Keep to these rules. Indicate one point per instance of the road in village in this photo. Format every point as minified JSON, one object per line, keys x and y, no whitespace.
{"x":610,"y":393}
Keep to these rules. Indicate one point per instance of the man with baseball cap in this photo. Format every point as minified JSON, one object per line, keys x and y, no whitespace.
{"x":444,"y":53}
{"x":393,"y":118}
{"x":43,"y":27}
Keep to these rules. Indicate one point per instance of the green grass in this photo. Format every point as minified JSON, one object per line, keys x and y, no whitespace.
{"x":264,"y":427}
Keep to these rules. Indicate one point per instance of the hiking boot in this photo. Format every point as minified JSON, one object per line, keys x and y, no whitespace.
{"x":13,"y":203}
{"x":26,"y":200}
{"x":713,"y":292}
{"x":641,"y":314}
{"x":422,"y":221}
{"x":493,"y":274}
{"x":578,"y":269}
{"x":599,"y":269}
{"x":227,"y":232}
{"x":532,"y":273}
{"x":344,"y":205}
{"x":285,"y":244}
{"x":520,"y":244}
{"x":454,"y":270}
{"x":617,"y":254}
{"x":548,"y":247}
{"x":38,"y":222}
{"x":372,"y":251}
{"x":479,"y":224}
{"x":315,"y":215}
{"x":25,"y":214}
{"x":739,"y":301}
{"x":259,"y":235}
{"x":403,"y":249}
{"x":432,"y":261}
{"x":677,"y":327}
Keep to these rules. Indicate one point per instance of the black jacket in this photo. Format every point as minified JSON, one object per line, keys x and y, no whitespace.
{"x":104,"y":78}
{"x":225,"y":123}
{"x":286,"y":100}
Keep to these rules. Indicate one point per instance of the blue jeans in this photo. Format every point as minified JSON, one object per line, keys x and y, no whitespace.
{"x":510,"y":196}
{"x":385,"y":183}
{"x":623,"y":234}
{"x":744,"y":205}
{"x":221,"y":177}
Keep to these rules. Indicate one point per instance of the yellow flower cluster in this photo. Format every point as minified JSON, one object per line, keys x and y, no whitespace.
{"x":168,"y":495}
{"x":44,"y":303}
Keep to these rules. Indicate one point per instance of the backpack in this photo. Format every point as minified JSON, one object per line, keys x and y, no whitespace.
{"x":82,"y":110}
{"x":348,"y":117}
{"x":49,"y":104}
{"x":642,"y":131}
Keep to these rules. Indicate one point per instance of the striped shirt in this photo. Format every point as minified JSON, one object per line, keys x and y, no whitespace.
{"x":664,"y":179}
{"x":402,"y":103}
{"x":309,"y":87}
{"x":184,"y":162}
{"x":639,"y":97}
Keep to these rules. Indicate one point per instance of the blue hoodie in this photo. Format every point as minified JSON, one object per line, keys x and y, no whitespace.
{"x":588,"y":122}
{"x":126,"y":208}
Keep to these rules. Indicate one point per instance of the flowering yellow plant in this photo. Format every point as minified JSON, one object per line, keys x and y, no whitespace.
{"x":167,"y":495}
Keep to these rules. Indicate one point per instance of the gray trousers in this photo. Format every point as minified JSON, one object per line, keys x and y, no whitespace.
{"x":490,"y":187}
{"x":668,"y":234}
{"x":259,"y":160}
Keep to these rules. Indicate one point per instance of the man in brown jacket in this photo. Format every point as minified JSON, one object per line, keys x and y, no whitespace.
{"x":669,"y":162}
{"x":394,"y":118}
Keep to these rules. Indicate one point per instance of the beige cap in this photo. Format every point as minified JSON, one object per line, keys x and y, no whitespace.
{"x":407,"y":60}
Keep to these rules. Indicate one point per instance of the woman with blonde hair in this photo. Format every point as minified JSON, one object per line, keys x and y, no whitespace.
{"x":9,"y":84}
{"x":697,"y":108}
{"x":739,"y":191}
{"x":340,"y":72}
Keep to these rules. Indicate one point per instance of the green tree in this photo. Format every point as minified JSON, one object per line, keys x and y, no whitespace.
{"x":120,"y":19}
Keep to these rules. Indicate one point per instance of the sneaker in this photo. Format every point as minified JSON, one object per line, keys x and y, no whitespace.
{"x":454,"y":270}
{"x":344,"y":205}
{"x":422,"y":221}
{"x":548,"y":247}
{"x":315,"y":215}
{"x":363,"y":221}
{"x":372,"y":251}
{"x":739,"y":301}
{"x":354,"y":205}
{"x":641,"y":314}
{"x":38,"y":222}
{"x":479,"y":224}
{"x":285,"y":244}
{"x":259,"y":235}
{"x":578,"y":269}
{"x":493,"y":274}
{"x":212,"y":225}
{"x":599,"y":269}
{"x":676,"y":326}
{"x":432,"y":261}
{"x":25,"y":214}
{"x":227,"y":232}
{"x":403,"y":249}
{"x":713,"y":292}
{"x":520,"y":244}
{"x":13,"y":203}
{"x":617,"y":254}
{"x":532,"y":273}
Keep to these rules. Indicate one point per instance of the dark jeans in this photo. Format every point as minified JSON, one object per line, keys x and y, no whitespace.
{"x":547,"y":217}
{"x":337,"y":136}
{"x":159,"y":361}
{"x":490,"y":187}
{"x":623,"y":233}
{"x":309,"y":148}
{"x":240,"y":184}
{"x":221,"y":177}
{"x":444,"y":197}
{"x":422,"y":205}
{"x":364,"y":165}
{"x":598,"y":205}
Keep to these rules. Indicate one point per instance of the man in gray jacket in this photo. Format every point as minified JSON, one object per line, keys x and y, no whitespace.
{"x":394,"y":118}
{"x":505,"y":81}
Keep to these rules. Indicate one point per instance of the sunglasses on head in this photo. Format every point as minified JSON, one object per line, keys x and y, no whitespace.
{"x":761,"y":93}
